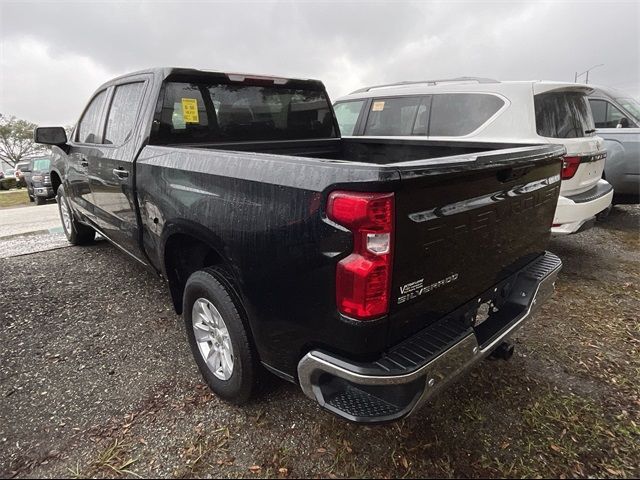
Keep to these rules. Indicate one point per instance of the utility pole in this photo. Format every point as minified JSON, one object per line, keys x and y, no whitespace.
{"x":575,"y":77}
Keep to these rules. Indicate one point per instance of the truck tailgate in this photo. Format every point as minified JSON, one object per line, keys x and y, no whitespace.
{"x":465,"y":225}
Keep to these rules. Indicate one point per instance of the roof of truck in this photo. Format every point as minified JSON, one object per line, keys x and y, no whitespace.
{"x":164,"y":72}
{"x":603,"y":91}
{"x":464,"y":84}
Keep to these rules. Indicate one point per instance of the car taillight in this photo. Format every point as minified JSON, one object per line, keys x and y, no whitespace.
{"x":569,"y":167}
{"x":363,"y":279}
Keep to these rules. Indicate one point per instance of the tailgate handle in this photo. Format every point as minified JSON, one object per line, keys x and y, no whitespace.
{"x":509,"y":174}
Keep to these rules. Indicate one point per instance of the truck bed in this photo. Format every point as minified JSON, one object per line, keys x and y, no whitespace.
{"x":479,"y":214}
{"x":382,"y":151}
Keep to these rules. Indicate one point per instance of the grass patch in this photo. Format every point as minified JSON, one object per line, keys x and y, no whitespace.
{"x":208,"y":450}
{"x":14,"y":198}
{"x":568,"y":433}
{"x":115,"y":460}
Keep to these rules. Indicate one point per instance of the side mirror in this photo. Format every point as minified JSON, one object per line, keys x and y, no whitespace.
{"x":50,"y":136}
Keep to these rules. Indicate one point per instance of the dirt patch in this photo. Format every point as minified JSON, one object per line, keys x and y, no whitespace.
{"x":96,"y":379}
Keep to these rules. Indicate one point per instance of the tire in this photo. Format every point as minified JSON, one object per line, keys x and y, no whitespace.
{"x":209,"y":287}
{"x":76,"y":233}
{"x":41,"y":200}
{"x":31,"y":199}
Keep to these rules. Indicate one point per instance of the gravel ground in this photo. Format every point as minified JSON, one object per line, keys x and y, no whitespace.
{"x":96,"y":379}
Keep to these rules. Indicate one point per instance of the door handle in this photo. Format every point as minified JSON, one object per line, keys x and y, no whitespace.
{"x":120,"y":173}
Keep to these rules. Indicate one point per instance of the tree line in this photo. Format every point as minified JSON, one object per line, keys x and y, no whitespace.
{"x":16,"y":140}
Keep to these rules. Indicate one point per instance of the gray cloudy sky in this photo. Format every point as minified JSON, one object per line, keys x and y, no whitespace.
{"x":53,"y":55}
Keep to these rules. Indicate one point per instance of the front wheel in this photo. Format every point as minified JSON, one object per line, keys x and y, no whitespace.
{"x":218,"y":336}
{"x":76,"y":233}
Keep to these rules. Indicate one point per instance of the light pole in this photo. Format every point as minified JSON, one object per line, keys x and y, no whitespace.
{"x":575,"y":78}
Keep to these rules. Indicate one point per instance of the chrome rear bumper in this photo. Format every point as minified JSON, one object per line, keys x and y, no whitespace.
{"x":376,"y":392}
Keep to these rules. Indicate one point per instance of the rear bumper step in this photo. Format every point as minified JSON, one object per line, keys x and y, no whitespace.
{"x":412,"y":372}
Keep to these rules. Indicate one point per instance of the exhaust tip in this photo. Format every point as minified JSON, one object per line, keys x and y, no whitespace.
{"x":504,"y":351}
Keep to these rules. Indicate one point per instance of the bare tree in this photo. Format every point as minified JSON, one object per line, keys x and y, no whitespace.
{"x":16,"y":140}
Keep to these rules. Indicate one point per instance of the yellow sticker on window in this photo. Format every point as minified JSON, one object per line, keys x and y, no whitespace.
{"x":190,"y":110}
{"x":377,"y":106}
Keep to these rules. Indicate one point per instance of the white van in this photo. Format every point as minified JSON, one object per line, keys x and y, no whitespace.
{"x":485,"y":110}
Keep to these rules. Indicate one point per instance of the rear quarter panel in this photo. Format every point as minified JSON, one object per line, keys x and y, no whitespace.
{"x":263,"y":214}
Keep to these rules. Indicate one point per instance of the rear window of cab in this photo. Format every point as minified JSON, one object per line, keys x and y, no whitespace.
{"x":438,"y":115}
{"x":209,"y":111}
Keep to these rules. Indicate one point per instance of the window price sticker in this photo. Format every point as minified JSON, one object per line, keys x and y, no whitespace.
{"x":190,"y":110}
{"x":377,"y":107}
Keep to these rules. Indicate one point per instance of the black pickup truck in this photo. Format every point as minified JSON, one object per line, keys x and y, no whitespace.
{"x":370,"y":271}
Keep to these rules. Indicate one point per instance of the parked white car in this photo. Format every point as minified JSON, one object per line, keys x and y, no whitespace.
{"x":485,"y":110}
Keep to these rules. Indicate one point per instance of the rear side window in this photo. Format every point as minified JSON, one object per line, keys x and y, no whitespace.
{"x":347,"y":114}
{"x":90,"y":122}
{"x":563,"y":115}
{"x":458,"y":114}
{"x":421,"y":125}
{"x":439,"y":115}
{"x":122,"y":113}
{"x":209,"y":112}
{"x":392,"y":116}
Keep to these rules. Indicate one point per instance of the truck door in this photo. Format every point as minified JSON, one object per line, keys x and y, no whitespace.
{"x":84,"y":149}
{"x":112,"y":174}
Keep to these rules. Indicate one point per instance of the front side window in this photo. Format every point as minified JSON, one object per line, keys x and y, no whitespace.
{"x":122,"y":113}
{"x":392,"y":116}
{"x":90,"y":122}
{"x":347,"y":114}
{"x":615,"y":117}
{"x":209,"y":112}
{"x":631,"y":106}
{"x":563,"y":115}
{"x":459,"y":114}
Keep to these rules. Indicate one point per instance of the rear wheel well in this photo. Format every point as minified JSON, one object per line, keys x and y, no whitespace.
{"x":55,"y":181}
{"x":184,"y":255}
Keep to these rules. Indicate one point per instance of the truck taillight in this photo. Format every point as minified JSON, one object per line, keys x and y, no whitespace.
{"x":363,"y":279}
{"x":569,"y":167}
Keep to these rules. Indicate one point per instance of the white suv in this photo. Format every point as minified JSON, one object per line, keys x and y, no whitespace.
{"x":485,"y":110}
